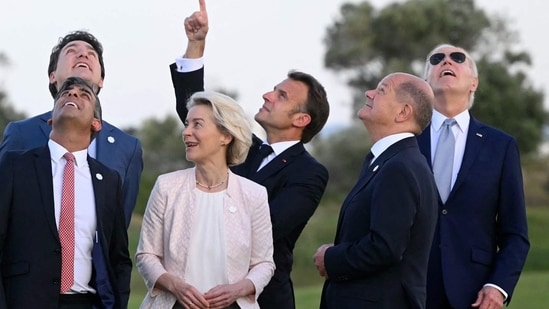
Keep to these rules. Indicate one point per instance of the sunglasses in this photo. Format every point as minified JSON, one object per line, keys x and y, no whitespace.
{"x":457,"y":57}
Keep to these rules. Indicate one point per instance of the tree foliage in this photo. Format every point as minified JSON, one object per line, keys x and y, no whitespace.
{"x":7,"y":112}
{"x":366,"y":44}
{"x":342,"y":153}
{"x":163,"y":151}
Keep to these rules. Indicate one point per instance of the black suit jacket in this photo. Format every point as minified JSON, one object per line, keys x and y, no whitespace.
{"x":482,"y":234}
{"x":115,"y":148}
{"x":30,"y":248}
{"x":295,"y":183}
{"x":384,"y":232}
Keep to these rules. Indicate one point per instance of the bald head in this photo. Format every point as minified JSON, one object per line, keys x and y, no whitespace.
{"x":415,"y":91}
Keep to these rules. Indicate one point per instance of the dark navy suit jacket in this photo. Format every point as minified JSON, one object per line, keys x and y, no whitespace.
{"x":30,"y":249}
{"x":295,"y":183}
{"x":481,"y":236}
{"x":115,"y":148}
{"x":384,"y":232}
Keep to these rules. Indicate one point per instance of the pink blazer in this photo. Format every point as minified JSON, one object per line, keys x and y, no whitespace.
{"x":166,"y":235}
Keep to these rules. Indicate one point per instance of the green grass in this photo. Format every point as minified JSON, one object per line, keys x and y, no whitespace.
{"x":531,"y":291}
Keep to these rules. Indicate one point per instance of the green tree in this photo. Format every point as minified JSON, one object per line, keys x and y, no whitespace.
{"x":163,"y":151}
{"x":366,"y":44}
{"x":342,"y":153}
{"x":7,"y":112}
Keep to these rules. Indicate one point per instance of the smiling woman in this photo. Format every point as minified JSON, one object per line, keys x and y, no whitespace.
{"x":219,"y":234}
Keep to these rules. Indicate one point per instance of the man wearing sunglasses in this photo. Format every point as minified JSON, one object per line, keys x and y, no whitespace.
{"x":481,"y":240}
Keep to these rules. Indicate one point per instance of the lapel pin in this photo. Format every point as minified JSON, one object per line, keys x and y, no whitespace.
{"x":232,"y":209}
{"x":375,"y":168}
{"x":479,"y":135}
{"x":99,"y":176}
{"x":284,"y":161}
{"x":110,"y":139}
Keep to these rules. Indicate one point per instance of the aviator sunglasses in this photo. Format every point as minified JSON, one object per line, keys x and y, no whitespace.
{"x":457,"y":57}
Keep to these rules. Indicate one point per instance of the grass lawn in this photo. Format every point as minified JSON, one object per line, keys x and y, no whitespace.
{"x":530,"y":293}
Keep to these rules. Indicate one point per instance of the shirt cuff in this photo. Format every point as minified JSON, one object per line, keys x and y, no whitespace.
{"x":184,"y":65}
{"x":499,"y":289}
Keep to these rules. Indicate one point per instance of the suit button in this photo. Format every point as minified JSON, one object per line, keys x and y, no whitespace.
{"x":444,"y":211}
{"x":55,"y":281}
{"x":58,"y":251}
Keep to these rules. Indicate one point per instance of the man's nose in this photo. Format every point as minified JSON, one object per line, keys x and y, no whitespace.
{"x":82,"y":53}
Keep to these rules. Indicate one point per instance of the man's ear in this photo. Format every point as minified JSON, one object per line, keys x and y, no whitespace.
{"x":53,"y":80}
{"x":99,"y":84}
{"x":406,"y":112}
{"x":474,"y":84}
{"x":96,"y":125}
{"x":301,"y":120}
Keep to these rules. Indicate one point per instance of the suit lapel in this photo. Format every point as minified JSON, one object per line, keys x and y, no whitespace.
{"x":424,"y":143}
{"x":42,"y":166}
{"x":98,"y":190}
{"x":368,"y":172}
{"x":278,"y":163}
{"x":475,"y":140}
{"x":104,"y":143}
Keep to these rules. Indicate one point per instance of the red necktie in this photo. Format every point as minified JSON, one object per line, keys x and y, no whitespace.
{"x":66,"y":225}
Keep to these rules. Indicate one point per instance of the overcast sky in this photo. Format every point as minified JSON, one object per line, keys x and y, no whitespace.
{"x":251,"y":46}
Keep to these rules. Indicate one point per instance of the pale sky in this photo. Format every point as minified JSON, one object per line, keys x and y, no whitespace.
{"x":252,"y":44}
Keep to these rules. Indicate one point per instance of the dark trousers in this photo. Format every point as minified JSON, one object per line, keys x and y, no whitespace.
{"x":77,"y":301}
{"x":277,"y":295}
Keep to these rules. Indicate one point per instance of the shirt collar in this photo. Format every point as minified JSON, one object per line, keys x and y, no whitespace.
{"x":380,"y":146}
{"x":280,"y":147}
{"x":57,"y":152}
{"x":462,"y":120}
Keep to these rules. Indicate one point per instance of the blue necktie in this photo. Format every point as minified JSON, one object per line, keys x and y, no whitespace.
{"x":443,"y":161}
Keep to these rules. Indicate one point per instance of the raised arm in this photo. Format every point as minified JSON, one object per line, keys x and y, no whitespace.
{"x":196,"y":29}
{"x":187,"y":81}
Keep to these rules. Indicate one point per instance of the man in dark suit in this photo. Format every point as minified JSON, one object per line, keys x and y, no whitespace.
{"x":80,"y":54}
{"x":32,"y":207}
{"x":380,"y":254}
{"x":292,"y":114}
{"x":481,"y":240}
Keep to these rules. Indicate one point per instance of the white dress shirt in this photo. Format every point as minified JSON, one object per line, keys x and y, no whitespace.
{"x":84,"y":212}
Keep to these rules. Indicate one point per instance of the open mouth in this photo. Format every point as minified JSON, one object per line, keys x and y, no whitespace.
{"x":71,"y":104}
{"x":82,"y":65}
{"x":447,"y":73}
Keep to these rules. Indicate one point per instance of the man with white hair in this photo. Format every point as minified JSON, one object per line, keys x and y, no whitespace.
{"x":481,"y":240}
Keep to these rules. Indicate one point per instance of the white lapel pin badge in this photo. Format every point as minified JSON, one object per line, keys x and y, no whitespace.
{"x":99,"y":176}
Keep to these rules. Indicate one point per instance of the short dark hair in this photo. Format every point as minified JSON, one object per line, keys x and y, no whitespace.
{"x":316,"y":106}
{"x":71,"y":82}
{"x":74,"y":36}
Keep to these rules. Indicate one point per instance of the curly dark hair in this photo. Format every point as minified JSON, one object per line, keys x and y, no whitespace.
{"x":74,"y":36}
